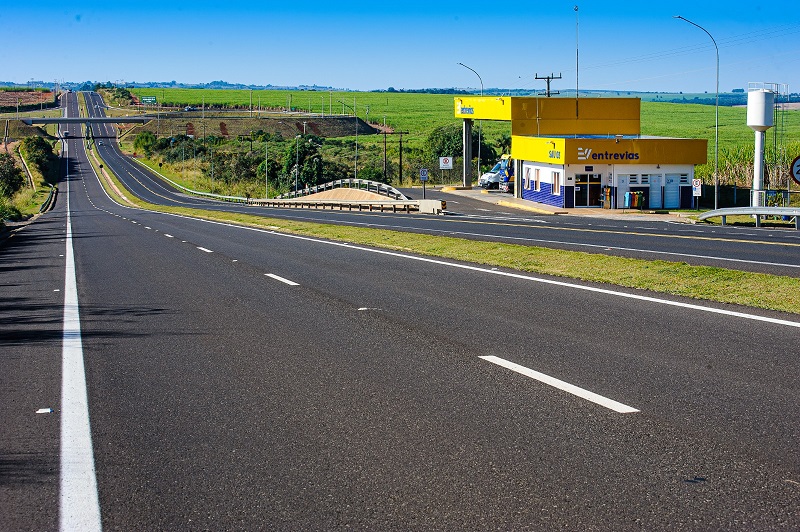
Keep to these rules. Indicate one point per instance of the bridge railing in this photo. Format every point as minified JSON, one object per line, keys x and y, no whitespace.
{"x":361,"y":184}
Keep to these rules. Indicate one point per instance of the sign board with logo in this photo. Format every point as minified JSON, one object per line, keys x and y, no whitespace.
{"x":445,"y":163}
{"x":423,"y":174}
{"x":697,"y":188}
{"x":599,"y":151}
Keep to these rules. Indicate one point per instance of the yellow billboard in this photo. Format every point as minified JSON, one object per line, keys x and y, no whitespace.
{"x":636,"y":151}
{"x":555,"y":150}
{"x":555,"y":116}
{"x":538,"y":149}
{"x":483,"y":107}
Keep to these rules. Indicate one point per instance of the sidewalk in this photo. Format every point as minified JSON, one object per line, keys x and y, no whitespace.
{"x":506,"y":200}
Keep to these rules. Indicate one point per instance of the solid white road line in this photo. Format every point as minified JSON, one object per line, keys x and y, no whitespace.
{"x":204,"y":249}
{"x":281,"y":279}
{"x":79,"y":505}
{"x":561,"y":385}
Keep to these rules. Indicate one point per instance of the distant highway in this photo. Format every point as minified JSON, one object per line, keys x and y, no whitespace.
{"x":244,"y":379}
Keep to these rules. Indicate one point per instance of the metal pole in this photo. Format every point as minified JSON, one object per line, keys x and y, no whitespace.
{"x":480,"y":122}
{"x":401,"y":159}
{"x":296,"y":161}
{"x":266,"y":168}
{"x":355,"y":116}
{"x":577,"y":90}
{"x":716,"y":115}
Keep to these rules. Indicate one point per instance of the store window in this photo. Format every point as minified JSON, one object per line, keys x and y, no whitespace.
{"x":645,"y":179}
{"x":556,"y":183}
{"x":527,"y":181}
{"x":537,"y":182}
{"x":633,"y":179}
{"x":684,"y":179}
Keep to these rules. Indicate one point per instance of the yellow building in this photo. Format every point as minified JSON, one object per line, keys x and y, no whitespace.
{"x":587,"y":152}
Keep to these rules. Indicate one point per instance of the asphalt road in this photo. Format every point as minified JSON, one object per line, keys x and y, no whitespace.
{"x":243,"y":379}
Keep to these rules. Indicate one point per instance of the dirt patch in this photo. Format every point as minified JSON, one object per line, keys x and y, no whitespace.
{"x":9,"y":98}
{"x":327,"y":127}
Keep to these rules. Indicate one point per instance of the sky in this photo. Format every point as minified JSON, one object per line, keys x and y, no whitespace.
{"x":412,"y":44}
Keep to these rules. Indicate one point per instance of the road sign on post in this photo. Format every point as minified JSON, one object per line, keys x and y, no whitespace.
{"x":697,"y":188}
{"x":149,"y":100}
{"x":795,"y":170}
{"x":445,"y":163}
{"x":423,"y":176}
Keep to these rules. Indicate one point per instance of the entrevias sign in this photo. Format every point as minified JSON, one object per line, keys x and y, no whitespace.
{"x":587,"y":154}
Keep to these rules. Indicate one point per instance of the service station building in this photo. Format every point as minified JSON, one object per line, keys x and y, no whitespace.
{"x":586,"y":152}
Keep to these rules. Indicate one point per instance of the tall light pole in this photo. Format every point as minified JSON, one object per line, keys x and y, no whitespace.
{"x":355,"y":116}
{"x":266,"y":168}
{"x":480,"y":122}
{"x":577,"y":67}
{"x":296,"y":161}
{"x":716,"y":119}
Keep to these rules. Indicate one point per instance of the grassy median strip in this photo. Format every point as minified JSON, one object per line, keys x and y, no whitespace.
{"x":756,"y":290}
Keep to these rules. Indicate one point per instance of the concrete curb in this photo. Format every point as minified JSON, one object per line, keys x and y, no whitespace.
{"x":515,"y":205}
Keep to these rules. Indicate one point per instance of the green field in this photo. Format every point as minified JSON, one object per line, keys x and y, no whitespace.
{"x":420,"y":113}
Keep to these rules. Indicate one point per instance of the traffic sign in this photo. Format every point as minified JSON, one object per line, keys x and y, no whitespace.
{"x":423,"y":174}
{"x":795,"y":170}
{"x":445,"y":163}
{"x":149,"y":100}
{"x":697,"y":188}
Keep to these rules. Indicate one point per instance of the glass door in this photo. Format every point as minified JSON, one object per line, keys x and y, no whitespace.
{"x":588,"y":190}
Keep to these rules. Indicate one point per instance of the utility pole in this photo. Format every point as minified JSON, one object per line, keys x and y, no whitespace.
{"x":385,"y":162}
{"x":548,"y":79}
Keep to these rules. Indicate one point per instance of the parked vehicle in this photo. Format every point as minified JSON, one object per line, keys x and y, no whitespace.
{"x":494,"y":178}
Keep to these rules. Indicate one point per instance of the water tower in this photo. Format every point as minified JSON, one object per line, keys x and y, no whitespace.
{"x":760,"y":108}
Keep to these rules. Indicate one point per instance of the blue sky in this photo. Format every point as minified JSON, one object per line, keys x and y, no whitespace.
{"x":409,"y":44}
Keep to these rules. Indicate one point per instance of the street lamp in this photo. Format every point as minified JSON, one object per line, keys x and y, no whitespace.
{"x":480,"y":122}
{"x":716,"y":120}
{"x":266,"y":168}
{"x":296,"y":161}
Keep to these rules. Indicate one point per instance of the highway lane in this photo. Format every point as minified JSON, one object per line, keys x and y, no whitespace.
{"x":224,"y":398}
{"x":246,"y":379}
{"x":768,"y":251}
{"x":31,"y":330}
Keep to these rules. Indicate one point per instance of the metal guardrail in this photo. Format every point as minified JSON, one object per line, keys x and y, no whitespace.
{"x":359,"y":205}
{"x":360,"y":184}
{"x":49,"y":201}
{"x":758,"y":212}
